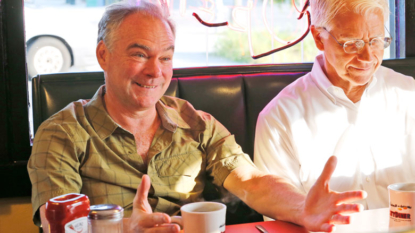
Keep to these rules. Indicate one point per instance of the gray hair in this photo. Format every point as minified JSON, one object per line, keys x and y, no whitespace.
{"x":324,"y":11}
{"x":116,"y":13}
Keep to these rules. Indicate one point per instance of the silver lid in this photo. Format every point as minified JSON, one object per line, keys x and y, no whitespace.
{"x":106,"y":211}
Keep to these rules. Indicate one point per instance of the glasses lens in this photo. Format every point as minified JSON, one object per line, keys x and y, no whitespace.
{"x":377,"y":44}
{"x":351,"y":46}
{"x":387,"y":41}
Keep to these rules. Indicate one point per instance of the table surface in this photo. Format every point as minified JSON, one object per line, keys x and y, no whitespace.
{"x":270,"y":226}
{"x":373,"y":221}
{"x":376,"y":220}
{"x":366,"y":221}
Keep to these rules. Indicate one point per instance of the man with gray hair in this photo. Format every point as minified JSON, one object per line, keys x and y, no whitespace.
{"x":348,"y":105}
{"x":129,"y":134}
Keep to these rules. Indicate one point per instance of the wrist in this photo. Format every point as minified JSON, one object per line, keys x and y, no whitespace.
{"x":300,"y":214}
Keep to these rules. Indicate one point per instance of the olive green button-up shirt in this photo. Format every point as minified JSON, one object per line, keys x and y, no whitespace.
{"x":81,"y":149}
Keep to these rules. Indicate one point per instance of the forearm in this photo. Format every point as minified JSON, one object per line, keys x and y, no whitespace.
{"x":270,"y":195}
{"x":275,"y":198}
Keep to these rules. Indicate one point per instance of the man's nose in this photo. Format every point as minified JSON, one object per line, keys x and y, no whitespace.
{"x":366,"y":53}
{"x":153,"y":68}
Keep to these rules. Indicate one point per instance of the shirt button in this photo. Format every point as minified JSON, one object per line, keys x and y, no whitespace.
{"x":367,"y":179}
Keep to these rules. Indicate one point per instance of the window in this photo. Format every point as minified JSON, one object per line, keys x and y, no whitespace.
{"x":61,"y":34}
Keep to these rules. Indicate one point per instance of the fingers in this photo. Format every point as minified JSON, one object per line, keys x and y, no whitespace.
{"x":151,"y":220}
{"x":147,"y":223}
{"x":326,"y":227}
{"x":351,"y":196}
{"x":143,"y":188}
{"x":327,"y":171}
{"x":140,"y":201}
{"x":178,"y":220}
{"x":143,"y":219}
{"x":168,"y":228}
{"x":349,"y":208}
{"x":340,"y":219}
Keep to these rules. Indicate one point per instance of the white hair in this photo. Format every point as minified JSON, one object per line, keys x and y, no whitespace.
{"x":116,"y":13}
{"x":324,"y":11}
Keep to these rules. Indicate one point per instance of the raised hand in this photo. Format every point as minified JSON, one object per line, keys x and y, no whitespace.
{"x":324,"y":208}
{"x":143,"y":220}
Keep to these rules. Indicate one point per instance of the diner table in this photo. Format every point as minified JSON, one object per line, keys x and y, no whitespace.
{"x":376,"y":220}
{"x":367,"y":221}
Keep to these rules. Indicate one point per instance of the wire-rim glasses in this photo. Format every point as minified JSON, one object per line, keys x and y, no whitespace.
{"x":355,"y":46}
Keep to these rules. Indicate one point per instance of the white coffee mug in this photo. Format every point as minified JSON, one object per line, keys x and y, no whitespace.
{"x":401,"y":204}
{"x":204,"y":217}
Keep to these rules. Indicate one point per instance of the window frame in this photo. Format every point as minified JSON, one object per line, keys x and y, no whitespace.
{"x":15,"y":142}
{"x":15,"y":145}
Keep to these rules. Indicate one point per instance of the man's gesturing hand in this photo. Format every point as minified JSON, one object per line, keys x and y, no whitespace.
{"x":143,"y":220}
{"x":323,"y":208}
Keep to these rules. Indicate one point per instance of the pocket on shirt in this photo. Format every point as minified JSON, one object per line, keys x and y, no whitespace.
{"x":189,"y":164}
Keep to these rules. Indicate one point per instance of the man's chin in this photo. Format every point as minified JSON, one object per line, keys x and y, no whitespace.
{"x":146,"y":103}
{"x":361,"y":80}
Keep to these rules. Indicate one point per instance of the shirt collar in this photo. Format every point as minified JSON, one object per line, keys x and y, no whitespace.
{"x":372,"y":83}
{"x":318,"y":75}
{"x":169,"y":116}
{"x":104,"y":125}
{"x":95,"y":110}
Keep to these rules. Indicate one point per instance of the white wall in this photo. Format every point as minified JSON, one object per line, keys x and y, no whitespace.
{"x":16,"y":215}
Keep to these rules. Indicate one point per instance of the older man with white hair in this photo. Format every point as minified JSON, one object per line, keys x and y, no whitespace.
{"x":348,"y":105}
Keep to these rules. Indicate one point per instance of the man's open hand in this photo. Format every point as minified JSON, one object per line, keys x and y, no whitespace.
{"x":324,"y":208}
{"x":143,"y":220}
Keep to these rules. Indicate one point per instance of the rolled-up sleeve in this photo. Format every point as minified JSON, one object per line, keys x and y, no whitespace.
{"x":223,"y":153}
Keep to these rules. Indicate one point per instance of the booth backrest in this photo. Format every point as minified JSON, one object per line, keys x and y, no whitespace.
{"x":233,"y":95}
{"x":235,"y":99}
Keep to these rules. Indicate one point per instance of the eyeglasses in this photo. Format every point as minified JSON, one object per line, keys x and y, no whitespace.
{"x":354,"y":46}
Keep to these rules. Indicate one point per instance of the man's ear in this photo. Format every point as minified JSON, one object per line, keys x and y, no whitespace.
{"x":102,"y":53}
{"x":317,"y":38}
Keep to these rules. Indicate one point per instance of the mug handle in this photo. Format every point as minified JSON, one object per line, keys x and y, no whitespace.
{"x":177,"y":220}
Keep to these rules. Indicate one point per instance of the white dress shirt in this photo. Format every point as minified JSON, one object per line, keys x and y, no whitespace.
{"x":373,"y":139}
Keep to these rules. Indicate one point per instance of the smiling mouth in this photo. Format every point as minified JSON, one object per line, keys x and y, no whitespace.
{"x":148,"y":87}
{"x":362,"y":69}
